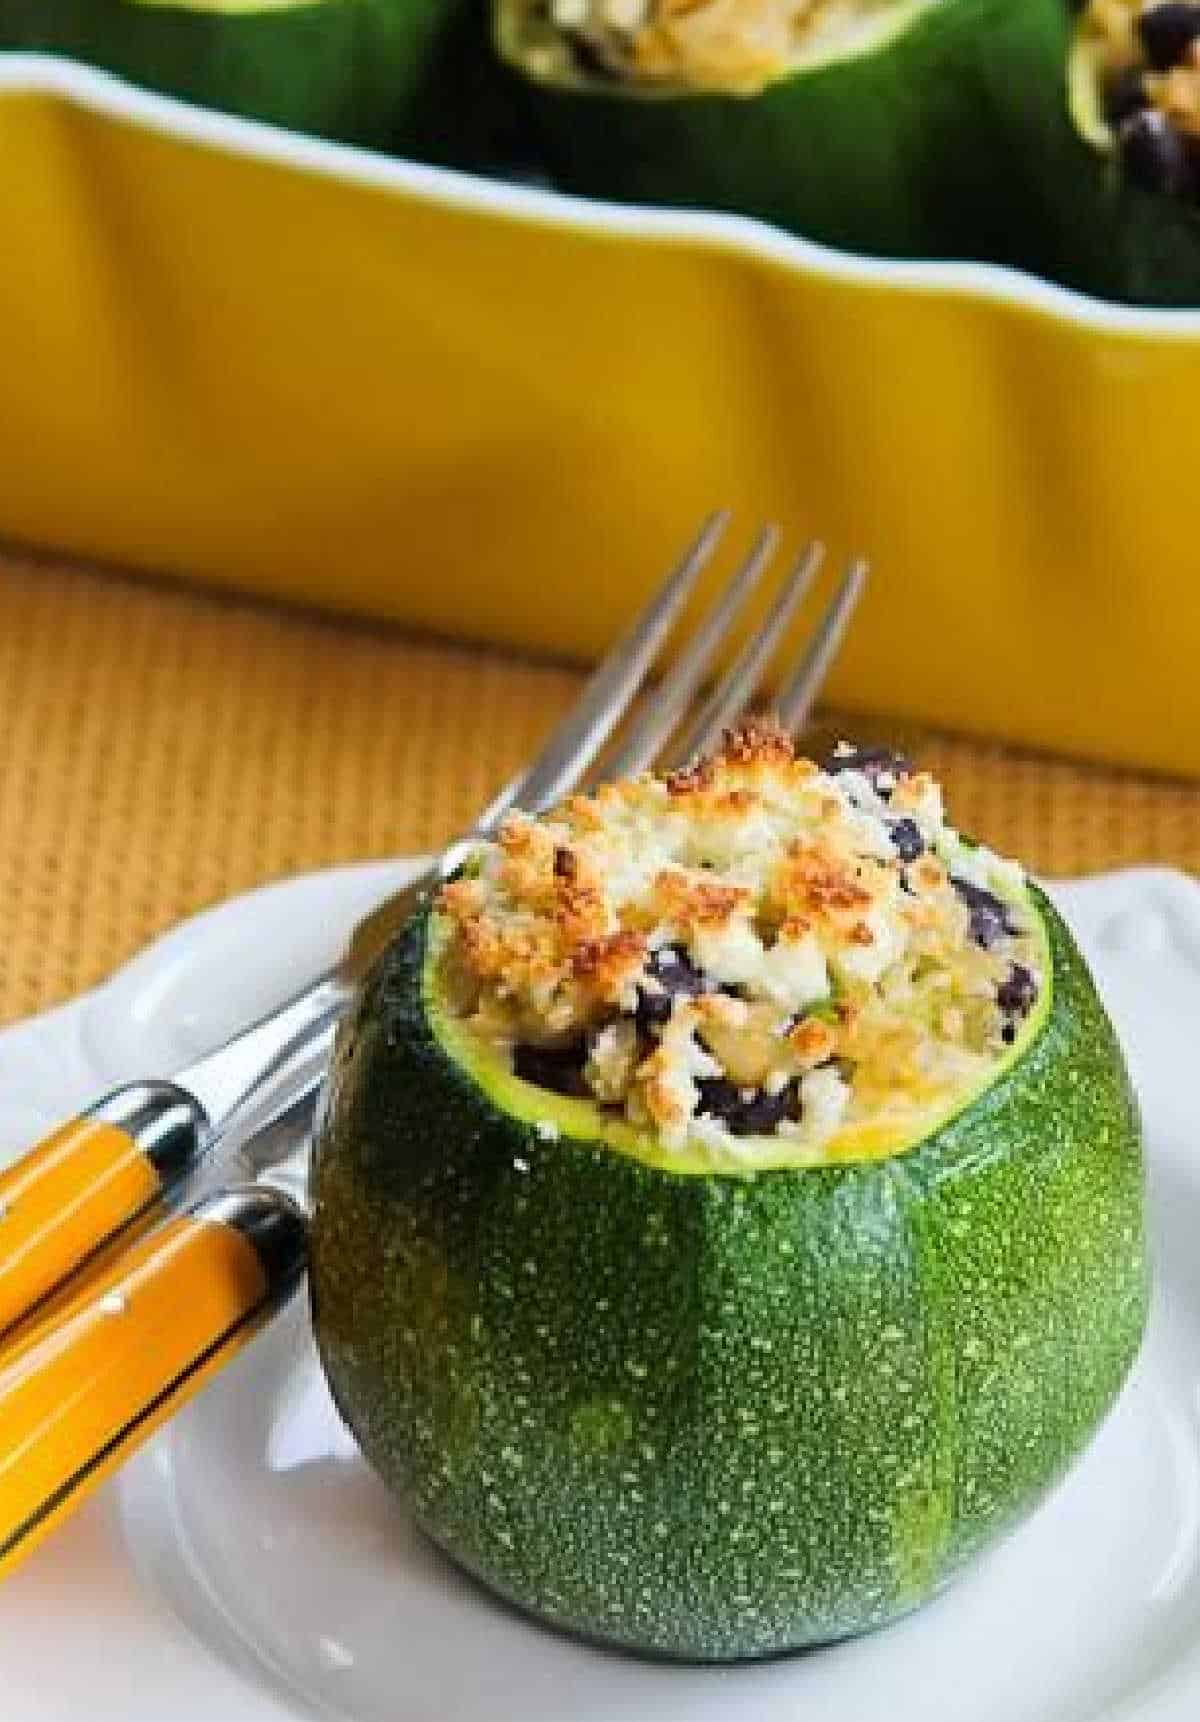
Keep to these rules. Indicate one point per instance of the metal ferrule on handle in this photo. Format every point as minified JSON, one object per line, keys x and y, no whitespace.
{"x":87,"y":1181}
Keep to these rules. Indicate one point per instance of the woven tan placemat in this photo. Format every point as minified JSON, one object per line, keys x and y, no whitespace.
{"x":162,"y":748}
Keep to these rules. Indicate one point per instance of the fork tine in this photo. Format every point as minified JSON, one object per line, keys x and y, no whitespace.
{"x":653,"y":728}
{"x":735,"y":691}
{"x":591,"y":720}
{"x":797,"y":696}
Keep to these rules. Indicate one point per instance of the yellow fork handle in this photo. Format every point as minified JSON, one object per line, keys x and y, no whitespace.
{"x":82,"y":1389}
{"x":86,"y":1182}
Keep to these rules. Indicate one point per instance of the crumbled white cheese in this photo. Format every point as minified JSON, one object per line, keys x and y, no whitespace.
{"x":794,"y":971}
{"x":888,"y":936}
{"x":683,"y":1060}
{"x":734,"y":953}
{"x":824,"y":1097}
{"x":612,"y":1059}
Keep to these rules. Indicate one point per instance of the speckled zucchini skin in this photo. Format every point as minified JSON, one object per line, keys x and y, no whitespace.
{"x":410,"y":74}
{"x":899,"y":152}
{"x":713,"y":1416}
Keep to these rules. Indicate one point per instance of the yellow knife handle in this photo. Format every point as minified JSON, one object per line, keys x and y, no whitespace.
{"x":81,"y":1185}
{"x":81,"y":1390}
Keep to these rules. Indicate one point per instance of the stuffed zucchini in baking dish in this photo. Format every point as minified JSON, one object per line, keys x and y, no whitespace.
{"x":410,"y":75}
{"x":1133,"y":97}
{"x":729,"y":1209}
{"x":874,"y":124}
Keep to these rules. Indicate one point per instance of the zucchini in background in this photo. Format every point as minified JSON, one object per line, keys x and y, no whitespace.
{"x":1133,"y":90}
{"x":414,"y":76}
{"x":1101,"y":140}
{"x":872,"y":124}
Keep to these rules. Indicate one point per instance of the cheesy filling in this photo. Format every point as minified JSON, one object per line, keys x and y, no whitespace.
{"x":1134,"y":84}
{"x":756,"y":948}
{"x":735,"y":46}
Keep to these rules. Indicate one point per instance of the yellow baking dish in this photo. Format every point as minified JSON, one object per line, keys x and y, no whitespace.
{"x":311,"y":372}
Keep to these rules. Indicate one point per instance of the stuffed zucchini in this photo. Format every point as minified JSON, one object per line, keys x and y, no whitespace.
{"x":729,"y":1206}
{"x":375,"y":72}
{"x":1134,"y":102}
{"x":873,"y":124}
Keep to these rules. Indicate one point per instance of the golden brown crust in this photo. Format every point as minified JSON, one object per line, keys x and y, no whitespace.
{"x":607,"y":964}
{"x":759,"y":742}
{"x":749,"y":750}
{"x":817,"y":962}
{"x":812,"y":1040}
{"x":692,"y":779}
{"x":813,"y":882}
{"x":687,"y":901}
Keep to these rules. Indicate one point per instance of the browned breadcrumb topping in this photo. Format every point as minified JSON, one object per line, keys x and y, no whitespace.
{"x":728,"y":45}
{"x":755,"y":947}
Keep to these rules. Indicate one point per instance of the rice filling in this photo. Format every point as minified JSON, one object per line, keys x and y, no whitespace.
{"x":1147,"y":61}
{"x":733,"y":46}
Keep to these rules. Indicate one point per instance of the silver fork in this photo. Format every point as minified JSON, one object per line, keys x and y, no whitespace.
{"x":139,"y":1329}
{"x":75,"y":1191}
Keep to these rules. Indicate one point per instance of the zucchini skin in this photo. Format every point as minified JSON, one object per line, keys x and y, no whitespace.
{"x":384,"y":73}
{"x":1155,"y":255}
{"x":1082,"y":222}
{"x":715,"y":1417}
{"x":1116,"y":240}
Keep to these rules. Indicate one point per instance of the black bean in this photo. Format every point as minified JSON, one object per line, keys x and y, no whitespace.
{"x":559,"y":1068}
{"x":756,"y":1116}
{"x":677,"y":976}
{"x":1155,"y":156}
{"x":1008,"y":1033}
{"x":906,"y":839}
{"x":1017,"y":994}
{"x":590,"y":60}
{"x":1124,"y":95}
{"x":875,"y":763}
{"x":989,"y":915}
{"x":1168,"y":31}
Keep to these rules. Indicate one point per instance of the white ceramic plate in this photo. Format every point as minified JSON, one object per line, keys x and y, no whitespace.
{"x":247,"y":1567}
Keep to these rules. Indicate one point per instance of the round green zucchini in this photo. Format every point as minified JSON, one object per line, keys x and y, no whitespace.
{"x":1088,"y":220}
{"x":1143,"y":244}
{"x":893,"y":143}
{"x":408,"y":74}
{"x":712,"y":1415}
